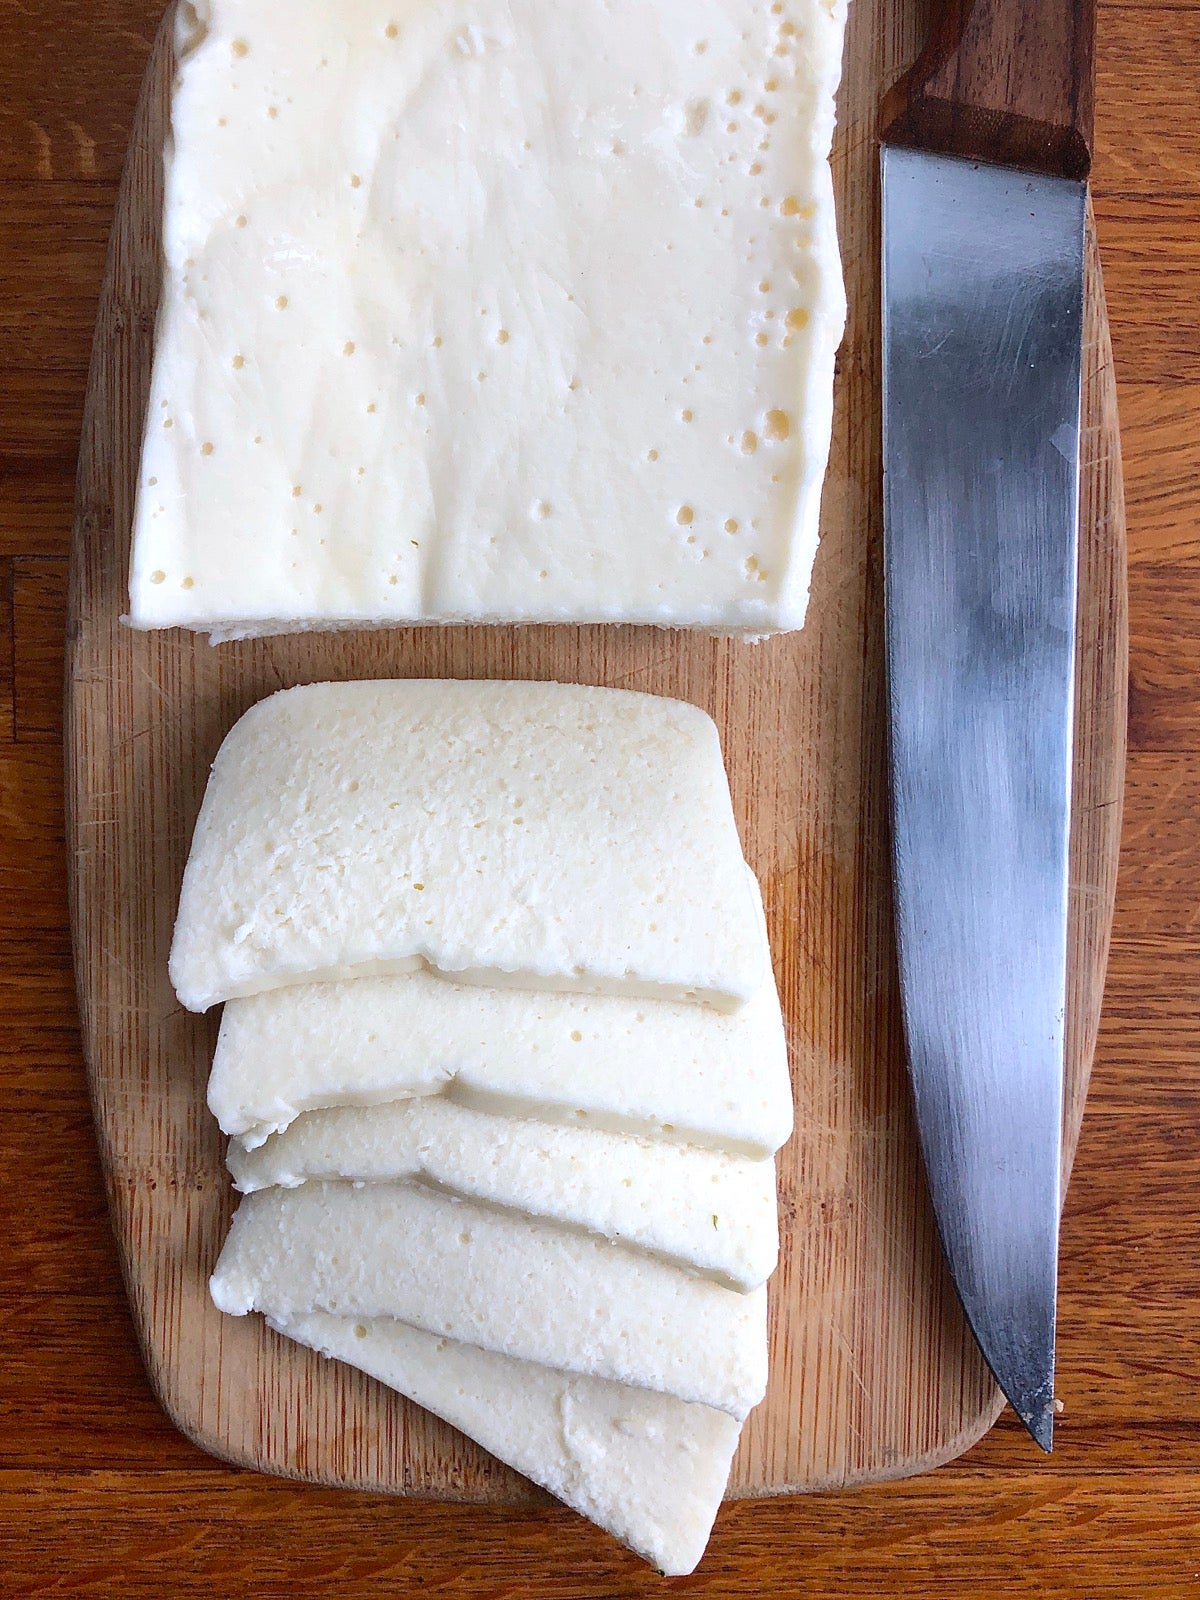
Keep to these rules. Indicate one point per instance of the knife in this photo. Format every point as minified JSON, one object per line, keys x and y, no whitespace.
{"x":984,"y":163}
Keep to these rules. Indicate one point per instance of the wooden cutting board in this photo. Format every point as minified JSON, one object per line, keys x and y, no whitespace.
{"x":873,"y":1372}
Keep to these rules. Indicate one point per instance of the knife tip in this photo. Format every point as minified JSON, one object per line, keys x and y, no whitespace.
{"x":1040,"y":1424}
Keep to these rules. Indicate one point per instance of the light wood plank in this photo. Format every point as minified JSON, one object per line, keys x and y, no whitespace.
{"x":1160,"y":432}
{"x":1164,"y":688}
{"x":1142,"y":74}
{"x":1151,"y":249}
{"x":1023,"y":1535}
{"x":1160,"y":854}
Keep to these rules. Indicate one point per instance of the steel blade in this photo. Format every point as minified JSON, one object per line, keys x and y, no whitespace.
{"x":983,"y":311}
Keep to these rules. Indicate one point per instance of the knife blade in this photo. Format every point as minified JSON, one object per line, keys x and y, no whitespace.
{"x":983,"y":234}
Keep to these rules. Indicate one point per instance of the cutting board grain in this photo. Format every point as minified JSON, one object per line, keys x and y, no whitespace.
{"x":873,"y":1372}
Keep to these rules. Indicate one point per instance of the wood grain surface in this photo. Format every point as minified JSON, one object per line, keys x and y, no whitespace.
{"x":873,"y":1371}
{"x":100,"y":1496}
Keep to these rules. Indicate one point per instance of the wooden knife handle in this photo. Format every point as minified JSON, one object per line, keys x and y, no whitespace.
{"x":1008,"y":81}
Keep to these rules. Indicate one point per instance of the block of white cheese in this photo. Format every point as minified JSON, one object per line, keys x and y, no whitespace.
{"x":647,"y":1467}
{"x":492,"y":310}
{"x":699,"y":1209}
{"x":656,"y":1067}
{"x":536,"y":834}
{"x":496,"y":1279}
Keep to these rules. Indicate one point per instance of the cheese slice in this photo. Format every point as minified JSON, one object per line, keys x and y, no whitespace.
{"x":647,"y":1467}
{"x":492,"y":310}
{"x":712,"y":1213}
{"x":545,"y":835}
{"x":653,"y":1067}
{"x":496,"y":1279}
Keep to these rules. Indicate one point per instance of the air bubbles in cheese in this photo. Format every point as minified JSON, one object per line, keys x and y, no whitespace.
{"x":707,"y":1212}
{"x":649,"y":1468}
{"x":508,"y":1283}
{"x":506,"y":285}
{"x":542,"y":835}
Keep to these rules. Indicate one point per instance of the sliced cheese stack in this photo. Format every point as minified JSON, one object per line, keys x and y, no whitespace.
{"x":709,"y":1211}
{"x":646,"y":1466}
{"x":519,"y":835}
{"x":504,"y":1071}
{"x":492,"y":310}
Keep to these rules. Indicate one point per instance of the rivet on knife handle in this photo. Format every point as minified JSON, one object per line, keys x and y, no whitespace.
{"x":1006,"y":81}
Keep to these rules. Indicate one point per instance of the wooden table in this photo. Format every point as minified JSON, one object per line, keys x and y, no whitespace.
{"x":98,"y":1494}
